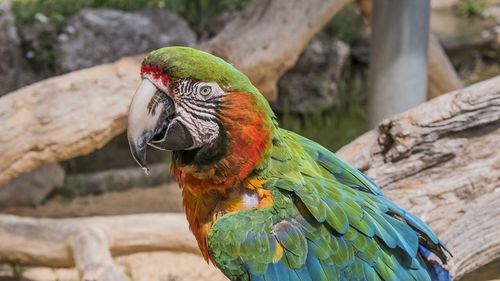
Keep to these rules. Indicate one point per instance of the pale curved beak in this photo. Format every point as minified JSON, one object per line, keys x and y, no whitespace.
{"x":150,"y":121}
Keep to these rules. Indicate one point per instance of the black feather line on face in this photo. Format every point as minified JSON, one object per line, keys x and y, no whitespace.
{"x":185,"y":91}
{"x":205,"y":155}
{"x":198,"y":112}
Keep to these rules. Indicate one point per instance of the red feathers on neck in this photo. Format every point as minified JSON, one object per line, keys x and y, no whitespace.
{"x":248,"y":133}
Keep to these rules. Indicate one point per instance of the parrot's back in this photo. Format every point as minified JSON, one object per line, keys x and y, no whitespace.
{"x":327,"y":221}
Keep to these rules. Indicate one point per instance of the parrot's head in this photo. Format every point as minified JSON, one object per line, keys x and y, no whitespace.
{"x":201,"y":108}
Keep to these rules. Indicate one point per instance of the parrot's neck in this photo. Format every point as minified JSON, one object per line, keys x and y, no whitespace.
{"x":227,"y":184}
{"x":243,"y":145}
{"x":203,"y":207}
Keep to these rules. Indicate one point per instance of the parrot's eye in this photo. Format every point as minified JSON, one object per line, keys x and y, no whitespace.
{"x":205,"y":90}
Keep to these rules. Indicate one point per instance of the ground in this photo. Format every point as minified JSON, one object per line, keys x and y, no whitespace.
{"x":157,"y":266}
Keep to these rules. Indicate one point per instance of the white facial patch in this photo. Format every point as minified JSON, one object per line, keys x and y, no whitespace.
{"x":202,"y":131}
{"x":196,"y":106}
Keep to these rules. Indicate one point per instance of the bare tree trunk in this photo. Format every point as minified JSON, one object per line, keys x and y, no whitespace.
{"x":442,"y":75}
{"x":89,"y":243}
{"x":439,"y":160}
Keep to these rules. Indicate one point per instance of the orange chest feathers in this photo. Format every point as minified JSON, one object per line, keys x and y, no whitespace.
{"x":203,"y":207}
{"x":226,"y":185}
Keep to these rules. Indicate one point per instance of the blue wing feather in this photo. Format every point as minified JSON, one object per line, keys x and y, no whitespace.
{"x":331,"y":223}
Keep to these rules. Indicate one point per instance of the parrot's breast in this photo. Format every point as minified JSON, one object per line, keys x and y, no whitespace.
{"x":203,"y":206}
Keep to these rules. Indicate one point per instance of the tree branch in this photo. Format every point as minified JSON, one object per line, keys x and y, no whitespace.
{"x":42,"y":123}
{"x":89,"y":243}
{"x":64,"y":117}
{"x":439,"y":160}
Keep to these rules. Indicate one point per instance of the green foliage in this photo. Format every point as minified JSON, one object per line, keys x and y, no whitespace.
{"x":70,"y":189}
{"x":58,"y":11}
{"x":129,"y":271}
{"x":469,"y":8}
{"x":347,"y":25}
{"x":17,"y":271}
{"x":334,"y":127}
{"x":199,"y":13}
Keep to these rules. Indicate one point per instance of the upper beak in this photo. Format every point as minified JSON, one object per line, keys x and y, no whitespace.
{"x":151,"y":121}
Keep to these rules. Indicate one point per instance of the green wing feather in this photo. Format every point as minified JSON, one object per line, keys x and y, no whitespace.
{"x":328,"y":221}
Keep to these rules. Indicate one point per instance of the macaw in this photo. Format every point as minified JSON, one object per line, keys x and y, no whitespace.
{"x":265,"y":203}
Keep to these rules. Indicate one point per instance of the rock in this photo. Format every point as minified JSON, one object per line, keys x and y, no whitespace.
{"x":99,"y":36}
{"x":494,"y":33}
{"x":218,"y":24}
{"x":14,"y":69}
{"x":311,"y":85}
{"x":32,"y":188}
{"x":492,"y":12}
{"x":38,"y":41}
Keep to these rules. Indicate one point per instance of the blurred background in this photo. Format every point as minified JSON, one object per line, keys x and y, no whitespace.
{"x":325,"y":95}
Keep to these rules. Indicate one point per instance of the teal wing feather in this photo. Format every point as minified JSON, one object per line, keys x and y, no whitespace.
{"x":328,"y":221}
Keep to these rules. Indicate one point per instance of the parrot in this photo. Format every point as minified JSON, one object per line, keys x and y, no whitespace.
{"x":265,"y":203}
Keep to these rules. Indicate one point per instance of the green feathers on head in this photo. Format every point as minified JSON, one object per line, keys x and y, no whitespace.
{"x":185,"y":62}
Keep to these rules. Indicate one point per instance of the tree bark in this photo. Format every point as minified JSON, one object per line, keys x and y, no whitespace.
{"x":42,"y":123}
{"x":64,"y":117}
{"x":89,"y":243}
{"x":439,"y":160}
{"x":442,"y":75}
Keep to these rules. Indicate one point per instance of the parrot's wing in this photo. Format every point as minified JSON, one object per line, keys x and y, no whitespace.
{"x":291,"y":244}
{"x":327,"y":222}
{"x":349,"y":176}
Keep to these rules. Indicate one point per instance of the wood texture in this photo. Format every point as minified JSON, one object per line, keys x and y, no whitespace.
{"x":442,"y":75}
{"x":439,"y":160}
{"x":64,"y":117}
{"x":76,"y":113}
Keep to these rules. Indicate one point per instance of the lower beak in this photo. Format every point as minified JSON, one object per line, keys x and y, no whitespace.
{"x":151,"y":121}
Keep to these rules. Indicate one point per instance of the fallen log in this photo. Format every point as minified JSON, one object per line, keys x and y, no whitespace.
{"x":89,"y":243}
{"x":55,"y":105}
{"x":442,"y":76}
{"x":439,"y":160}
{"x":74,"y":114}
{"x":64,"y":117}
